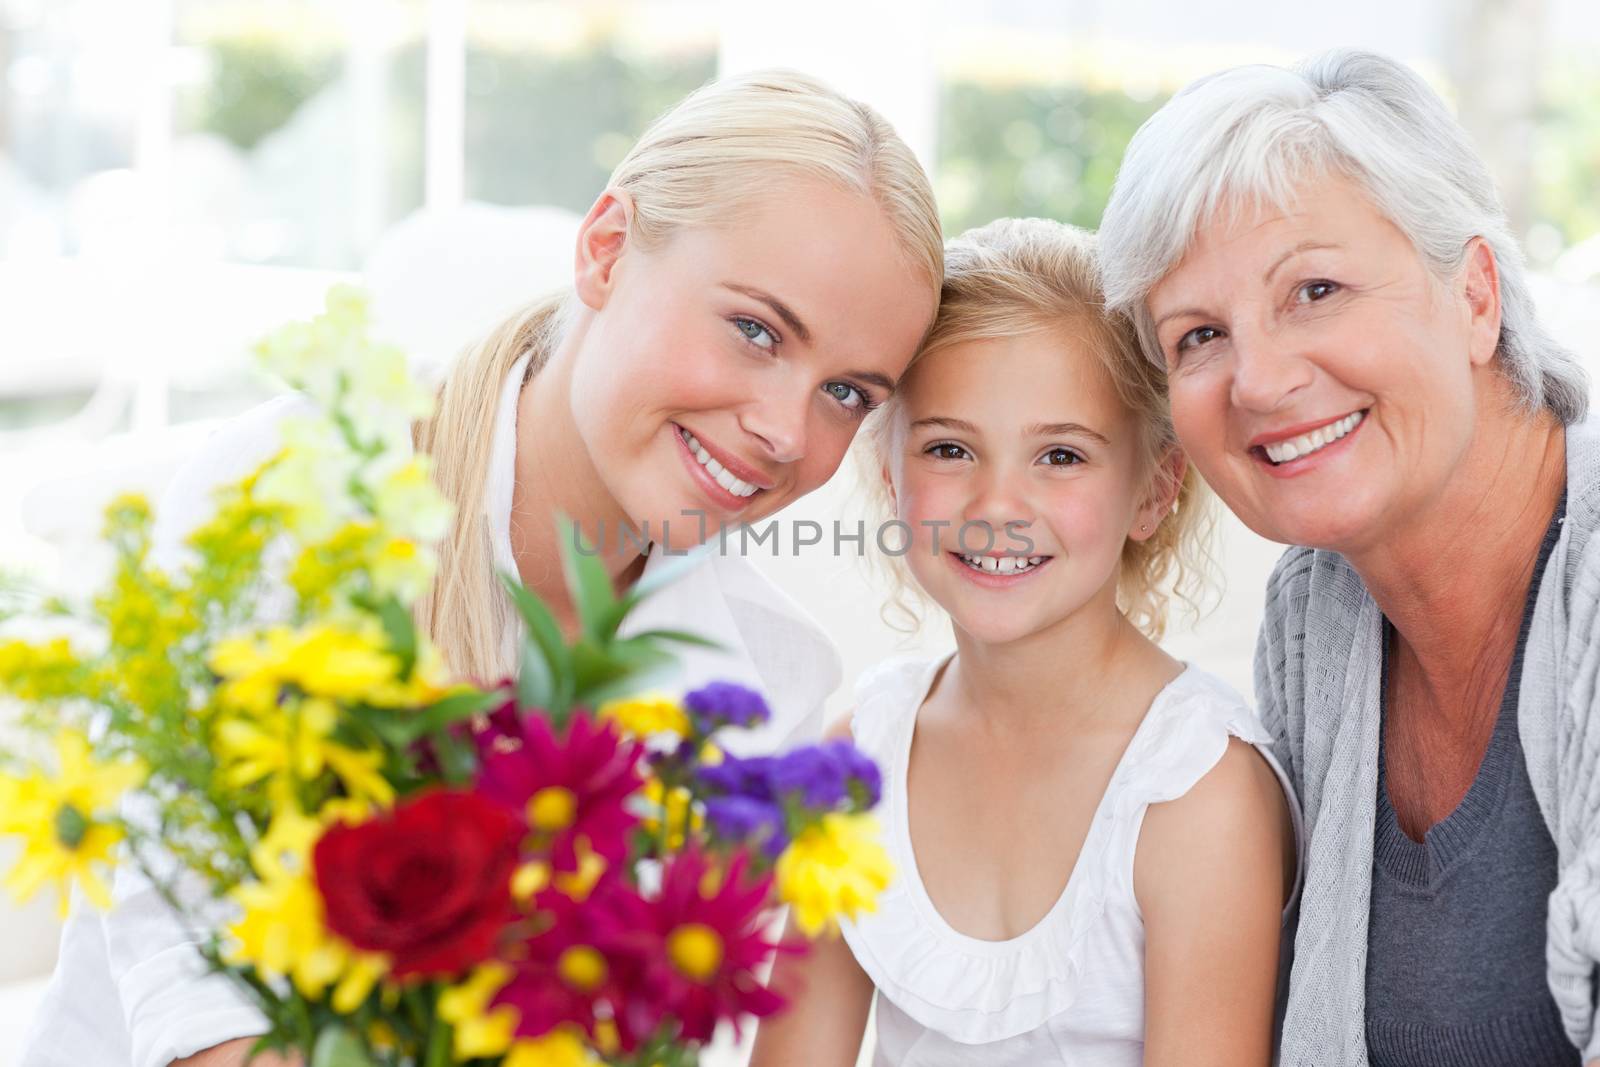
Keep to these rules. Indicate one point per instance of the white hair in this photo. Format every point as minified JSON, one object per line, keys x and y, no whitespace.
{"x":1253,"y":134}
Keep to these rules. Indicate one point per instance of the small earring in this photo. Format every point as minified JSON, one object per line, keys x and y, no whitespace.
{"x":1144,"y":527}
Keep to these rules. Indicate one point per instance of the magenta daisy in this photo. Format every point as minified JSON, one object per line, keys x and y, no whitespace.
{"x":570,"y":791}
{"x":704,"y":944}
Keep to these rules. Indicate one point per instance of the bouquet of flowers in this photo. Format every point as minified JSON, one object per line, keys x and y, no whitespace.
{"x":399,"y":867}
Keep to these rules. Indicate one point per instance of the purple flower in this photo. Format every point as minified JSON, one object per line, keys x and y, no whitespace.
{"x":748,"y":820}
{"x":739,"y":777}
{"x":863,"y":778}
{"x":812,"y":773}
{"x":726,"y":704}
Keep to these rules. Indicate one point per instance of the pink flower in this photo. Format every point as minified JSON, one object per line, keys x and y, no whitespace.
{"x":566,"y":790}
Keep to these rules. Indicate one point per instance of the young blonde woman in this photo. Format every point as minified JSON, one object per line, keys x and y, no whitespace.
{"x":1093,"y":855}
{"x":754,"y":279}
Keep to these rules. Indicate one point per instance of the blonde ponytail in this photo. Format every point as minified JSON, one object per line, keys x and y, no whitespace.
{"x":467,"y":622}
{"x":719,"y":149}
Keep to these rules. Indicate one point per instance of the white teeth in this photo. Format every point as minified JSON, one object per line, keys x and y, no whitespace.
{"x":717,"y":470}
{"x":1003,"y":564}
{"x":1305,"y":444}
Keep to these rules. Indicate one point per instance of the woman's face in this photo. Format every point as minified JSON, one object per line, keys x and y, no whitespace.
{"x":723,"y":374}
{"x":1321,"y":379}
{"x":1026,"y":437}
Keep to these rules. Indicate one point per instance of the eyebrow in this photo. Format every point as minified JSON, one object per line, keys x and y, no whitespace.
{"x":1037,"y":429}
{"x":782,"y":310}
{"x":1066,"y":429}
{"x":1303,"y":246}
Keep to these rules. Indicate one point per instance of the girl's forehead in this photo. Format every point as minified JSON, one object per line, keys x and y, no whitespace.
{"x":1023,"y":369}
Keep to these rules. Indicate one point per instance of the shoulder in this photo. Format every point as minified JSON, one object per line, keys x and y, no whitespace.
{"x":1238,"y":812}
{"x":1210,"y":784}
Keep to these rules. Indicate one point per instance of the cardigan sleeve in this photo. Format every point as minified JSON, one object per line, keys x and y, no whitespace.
{"x":1278,"y":661}
{"x":1573,"y":943}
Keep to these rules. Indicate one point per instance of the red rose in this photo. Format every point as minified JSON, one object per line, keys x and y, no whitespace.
{"x":429,"y":884}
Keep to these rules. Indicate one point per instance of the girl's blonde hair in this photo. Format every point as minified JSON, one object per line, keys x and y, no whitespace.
{"x":718,"y":150}
{"x":1021,"y":276}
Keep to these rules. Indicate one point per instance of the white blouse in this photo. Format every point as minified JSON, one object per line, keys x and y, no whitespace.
{"x":1069,"y":990}
{"x":129,"y":990}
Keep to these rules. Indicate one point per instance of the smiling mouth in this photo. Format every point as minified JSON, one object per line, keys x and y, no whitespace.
{"x":719,"y":474}
{"x":1281,"y":452}
{"x":1003,"y":565}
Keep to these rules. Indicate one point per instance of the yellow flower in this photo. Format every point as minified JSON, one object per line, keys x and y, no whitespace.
{"x":294,"y":741}
{"x":321,"y":659}
{"x":61,"y":820}
{"x":675,"y":807}
{"x":834,"y":868}
{"x":646,"y":716}
{"x":41,"y":672}
{"x":562,"y":1047}
{"x":479,"y":1029}
{"x":282,"y":931}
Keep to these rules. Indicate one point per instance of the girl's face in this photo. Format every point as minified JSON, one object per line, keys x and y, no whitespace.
{"x":724,"y":373}
{"x":1024,"y":436}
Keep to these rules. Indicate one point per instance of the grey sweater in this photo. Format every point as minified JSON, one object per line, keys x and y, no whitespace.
{"x":1317,"y":676}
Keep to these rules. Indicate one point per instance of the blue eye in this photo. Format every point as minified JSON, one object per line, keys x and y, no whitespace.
{"x":755,"y":332}
{"x":945,"y":450}
{"x":1061,"y":457}
{"x":849,"y":396}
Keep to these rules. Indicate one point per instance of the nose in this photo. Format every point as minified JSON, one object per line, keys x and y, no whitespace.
{"x":998,"y":497}
{"x":778,"y":420}
{"x":1266,"y":371}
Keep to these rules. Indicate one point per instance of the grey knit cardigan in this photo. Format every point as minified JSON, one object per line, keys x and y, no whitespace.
{"x":1317,"y":670}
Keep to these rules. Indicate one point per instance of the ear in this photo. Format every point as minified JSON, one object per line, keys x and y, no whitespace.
{"x":602,"y":239}
{"x":1165,"y":484}
{"x":888,"y":483}
{"x":1481,"y":280}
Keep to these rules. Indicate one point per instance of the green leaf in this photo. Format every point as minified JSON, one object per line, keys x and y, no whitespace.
{"x":457,"y":758}
{"x":543,"y":630}
{"x":401,"y":631}
{"x":654,"y":582}
{"x":588,"y":583}
{"x":622,"y":668}
{"x":451,"y":709}
{"x":338,"y":1047}
{"x":682,"y":637}
{"x":536,"y":686}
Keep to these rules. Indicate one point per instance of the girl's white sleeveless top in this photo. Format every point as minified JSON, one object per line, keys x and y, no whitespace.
{"x":1070,"y":990}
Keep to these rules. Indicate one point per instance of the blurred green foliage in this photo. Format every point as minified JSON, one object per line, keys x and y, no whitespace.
{"x":542,"y":127}
{"x":254,"y":83}
{"x":1045,"y":150}
{"x":1567,"y":153}
{"x":546,"y":127}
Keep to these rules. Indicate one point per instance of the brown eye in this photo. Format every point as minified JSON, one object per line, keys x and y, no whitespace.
{"x":1198,"y":336}
{"x":1311,"y":292}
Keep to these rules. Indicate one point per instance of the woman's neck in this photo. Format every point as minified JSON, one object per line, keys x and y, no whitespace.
{"x":1453,"y":580}
{"x":556,"y":476}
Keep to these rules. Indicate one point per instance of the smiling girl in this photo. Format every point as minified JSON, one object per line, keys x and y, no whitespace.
{"x":1093,"y":857}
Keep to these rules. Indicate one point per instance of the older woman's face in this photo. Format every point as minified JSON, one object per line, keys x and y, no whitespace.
{"x":1321,"y":379}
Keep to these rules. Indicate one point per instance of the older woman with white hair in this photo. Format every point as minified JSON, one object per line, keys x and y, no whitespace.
{"x":1321,"y":262}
